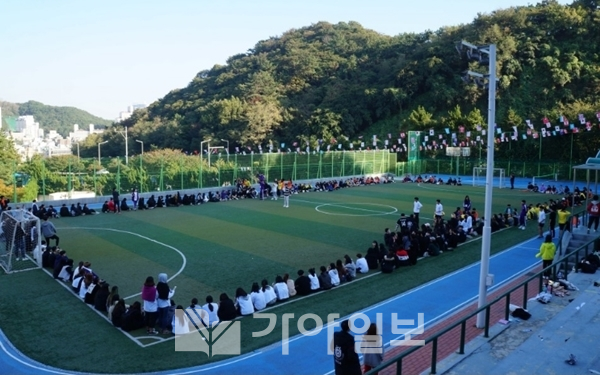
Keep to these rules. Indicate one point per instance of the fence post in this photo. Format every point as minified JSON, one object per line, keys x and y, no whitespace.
{"x":308,"y":165}
{"x":267,"y":165}
{"x":280,"y":162}
{"x":235,"y":168}
{"x":95,"y":182}
{"x":44,"y":179}
{"x":69,"y":181}
{"x":295,"y":160}
{"x":162,"y":172}
{"x":14,"y":177}
{"x":332,"y":163}
{"x":141,"y":173}
{"x":118,"y":176}
{"x":320,"y":171}
{"x":181,"y":171}
{"x":343,"y":163}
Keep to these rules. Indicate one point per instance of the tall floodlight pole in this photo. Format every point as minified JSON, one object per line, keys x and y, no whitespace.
{"x":141,"y":161}
{"x":224,"y":140}
{"x":124,"y":134}
{"x":476,"y":53}
{"x":99,"y":156}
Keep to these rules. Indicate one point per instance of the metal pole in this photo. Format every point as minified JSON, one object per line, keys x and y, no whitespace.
{"x":489,"y":188}
{"x":571,"y":157}
{"x":540,"y":157}
{"x":126,"y":148}
{"x":99,"y":155}
{"x":224,"y":140}
{"x":14,"y":174}
{"x":141,"y":163}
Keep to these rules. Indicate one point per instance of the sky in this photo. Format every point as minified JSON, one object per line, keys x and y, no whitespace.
{"x":102,"y":56}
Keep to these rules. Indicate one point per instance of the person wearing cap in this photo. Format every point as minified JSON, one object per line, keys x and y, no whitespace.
{"x":593,"y":210}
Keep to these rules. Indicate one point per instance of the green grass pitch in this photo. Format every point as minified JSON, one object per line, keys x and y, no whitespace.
{"x":217,"y":247}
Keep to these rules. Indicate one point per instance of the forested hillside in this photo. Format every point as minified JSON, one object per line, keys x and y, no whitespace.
{"x":339,"y":83}
{"x":60,"y":119}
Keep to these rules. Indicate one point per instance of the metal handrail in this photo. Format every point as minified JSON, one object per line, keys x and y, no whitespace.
{"x":487,"y":308}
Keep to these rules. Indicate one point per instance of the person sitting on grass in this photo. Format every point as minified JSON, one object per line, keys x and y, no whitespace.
{"x":226,"y":310}
{"x":87,"y":211}
{"x":361,"y":264}
{"x":341,"y":270}
{"x":116,"y":312}
{"x":290,"y":284}
{"x":124,"y":206}
{"x":281,"y":289}
{"x":372,"y":256}
{"x":212,"y":309}
{"x":180,"y":322}
{"x":325,"y":279}
{"x":105,"y":207}
{"x":388,"y":263}
{"x":101,"y":297}
{"x":333,"y":274}
{"x":302,"y":284}
{"x":258,"y":297}
{"x":350,"y":268}
{"x":133,"y":318}
{"x":243,"y":302}
{"x":314,"y":280}
{"x":59,"y":262}
{"x":402,"y":258}
{"x":64,"y":211}
{"x":151,"y":202}
{"x":270,"y":295}
{"x":111,"y":206}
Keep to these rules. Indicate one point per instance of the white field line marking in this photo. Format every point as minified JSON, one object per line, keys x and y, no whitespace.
{"x":92,"y":308}
{"x":353,"y":208}
{"x":148,"y":239}
{"x":358,"y":208}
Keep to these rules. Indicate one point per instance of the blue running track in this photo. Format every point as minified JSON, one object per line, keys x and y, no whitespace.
{"x":308,"y":354}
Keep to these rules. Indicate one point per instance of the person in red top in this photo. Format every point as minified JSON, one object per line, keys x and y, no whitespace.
{"x":593,"y":210}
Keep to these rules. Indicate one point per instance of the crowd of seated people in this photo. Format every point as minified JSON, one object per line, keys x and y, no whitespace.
{"x":432,"y":180}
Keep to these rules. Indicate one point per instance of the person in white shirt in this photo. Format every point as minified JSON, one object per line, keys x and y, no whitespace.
{"x":416,"y":210}
{"x":467,"y":224}
{"x":274,"y":190}
{"x":212,"y":310}
{"x":243,"y":303}
{"x":541,"y":221}
{"x":270,"y":296}
{"x":258,"y":297}
{"x":361,"y":264}
{"x":281,"y":289}
{"x":180,"y":322}
{"x":333,"y":273}
{"x":439,"y":210}
{"x":314,"y":280}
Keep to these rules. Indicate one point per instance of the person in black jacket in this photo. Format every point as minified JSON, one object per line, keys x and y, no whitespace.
{"x":302,"y":284}
{"x":345,"y":359}
{"x":101,"y":297}
{"x":133,"y":318}
{"x":227,"y":309}
{"x":118,"y":311}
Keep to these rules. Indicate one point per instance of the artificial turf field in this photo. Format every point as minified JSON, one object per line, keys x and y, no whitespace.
{"x":217,"y":247}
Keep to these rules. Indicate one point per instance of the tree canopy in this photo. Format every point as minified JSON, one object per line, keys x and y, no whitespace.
{"x":328,"y":81}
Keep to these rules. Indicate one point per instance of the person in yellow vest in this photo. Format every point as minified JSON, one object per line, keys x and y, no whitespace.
{"x":563,"y":219}
{"x":547,"y":251}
